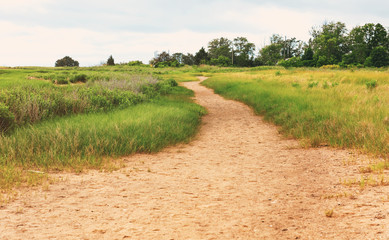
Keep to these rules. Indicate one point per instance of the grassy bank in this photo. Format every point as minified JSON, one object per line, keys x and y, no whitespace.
{"x":341,"y":108}
{"x":81,"y":141}
{"x":118,"y":112}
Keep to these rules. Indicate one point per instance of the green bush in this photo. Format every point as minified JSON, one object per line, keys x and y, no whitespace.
{"x":371,"y":84}
{"x":313,"y":84}
{"x":79,"y":78}
{"x":6,"y":118}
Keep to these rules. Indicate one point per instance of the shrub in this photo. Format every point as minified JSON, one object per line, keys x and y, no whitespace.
{"x":79,"y":78}
{"x":61,"y":79}
{"x":332,"y":66}
{"x":371,"y":84}
{"x":172,"y":82}
{"x":291,"y":62}
{"x":313,"y":84}
{"x":6,"y":118}
{"x":135,"y":63}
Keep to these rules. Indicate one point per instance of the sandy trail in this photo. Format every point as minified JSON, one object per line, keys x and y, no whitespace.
{"x":239,"y":179}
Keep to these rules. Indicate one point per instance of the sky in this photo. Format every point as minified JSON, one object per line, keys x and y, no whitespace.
{"x":39,"y":32}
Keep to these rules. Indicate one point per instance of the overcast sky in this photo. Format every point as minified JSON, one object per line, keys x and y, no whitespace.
{"x":38,"y":32}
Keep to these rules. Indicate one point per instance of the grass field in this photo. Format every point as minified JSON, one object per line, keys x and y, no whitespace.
{"x":113,"y":125}
{"x":341,"y":108}
{"x":76,"y":118}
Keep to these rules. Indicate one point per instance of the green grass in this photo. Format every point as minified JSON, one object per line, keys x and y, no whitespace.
{"x":111,"y":124}
{"x":333,"y":107}
{"x":85,"y":140}
{"x":31,"y":99}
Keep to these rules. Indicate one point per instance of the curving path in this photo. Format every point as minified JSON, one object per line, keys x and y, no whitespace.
{"x":239,"y":179}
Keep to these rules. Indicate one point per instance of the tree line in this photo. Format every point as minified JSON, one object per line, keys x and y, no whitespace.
{"x":330,"y":44}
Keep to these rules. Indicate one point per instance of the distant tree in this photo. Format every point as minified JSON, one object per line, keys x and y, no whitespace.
{"x":178,"y":57}
{"x":66,"y":62}
{"x":201,"y":57}
{"x":220,"y":47}
{"x":271,"y":54}
{"x":243,"y":52}
{"x":188,"y":59}
{"x":308,"y":54}
{"x":329,"y":42}
{"x":110,"y":61}
{"x":164,"y":60}
{"x":291,"y":47}
{"x":362,"y":40}
{"x":307,"y":58}
{"x":379,"y":57}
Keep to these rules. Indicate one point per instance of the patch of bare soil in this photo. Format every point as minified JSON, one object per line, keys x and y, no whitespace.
{"x":239,"y":179}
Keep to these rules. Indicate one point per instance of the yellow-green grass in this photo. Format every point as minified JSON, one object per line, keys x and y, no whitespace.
{"x":334,"y":107}
{"x":84,"y":141}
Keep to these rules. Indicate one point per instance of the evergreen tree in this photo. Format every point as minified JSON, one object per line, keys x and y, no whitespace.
{"x":201,"y":57}
{"x":110,"y":61}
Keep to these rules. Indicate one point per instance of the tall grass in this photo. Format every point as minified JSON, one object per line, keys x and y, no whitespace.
{"x":30,"y":103}
{"x":323,"y":106}
{"x":85,"y":140}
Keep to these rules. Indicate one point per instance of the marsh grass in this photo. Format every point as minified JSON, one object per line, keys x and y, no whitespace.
{"x":327,"y":107}
{"x":84,"y":141}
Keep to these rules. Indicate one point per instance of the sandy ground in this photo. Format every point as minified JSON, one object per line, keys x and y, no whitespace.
{"x":239,"y":179}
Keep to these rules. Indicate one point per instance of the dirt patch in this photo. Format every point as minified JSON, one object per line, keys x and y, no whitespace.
{"x":239,"y":179}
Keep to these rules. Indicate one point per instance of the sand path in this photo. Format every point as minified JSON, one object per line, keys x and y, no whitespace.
{"x":239,"y":179}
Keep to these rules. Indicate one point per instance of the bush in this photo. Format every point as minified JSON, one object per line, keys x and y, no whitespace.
{"x":371,"y":84}
{"x":7,"y":119}
{"x":322,"y":60}
{"x":221,"y":61}
{"x":313,"y":84}
{"x":135,"y":63}
{"x":61,"y":79}
{"x":79,"y":78}
{"x":330,"y":66}
{"x":291,"y":62}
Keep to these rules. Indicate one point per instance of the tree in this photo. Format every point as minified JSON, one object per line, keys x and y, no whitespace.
{"x":308,"y":54}
{"x":291,"y":48}
{"x":307,"y":58}
{"x":110,"y":61}
{"x":178,"y":57}
{"x":379,"y":57}
{"x":66,"y":62}
{"x":271,"y":54}
{"x":220,"y":47}
{"x":201,"y":57}
{"x":243,"y":52}
{"x":329,"y":42}
{"x":362,"y":40}
{"x":164,"y":60}
{"x":188,"y":59}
